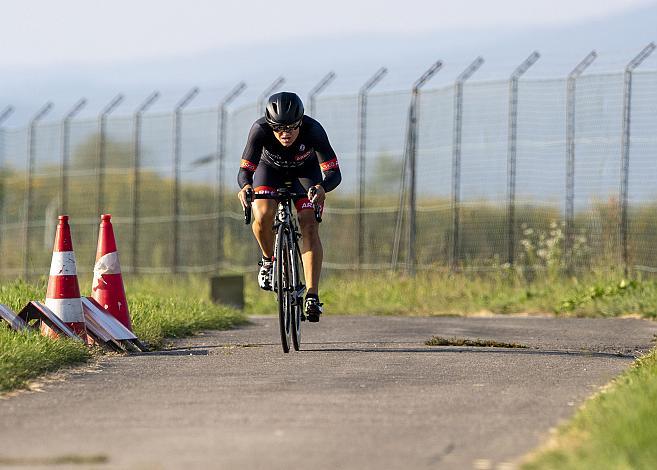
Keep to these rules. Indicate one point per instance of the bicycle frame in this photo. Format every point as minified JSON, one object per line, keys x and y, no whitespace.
{"x":288,"y":267}
{"x":291,"y":232}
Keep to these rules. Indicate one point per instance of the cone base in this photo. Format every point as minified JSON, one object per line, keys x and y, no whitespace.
{"x":78,"y":328}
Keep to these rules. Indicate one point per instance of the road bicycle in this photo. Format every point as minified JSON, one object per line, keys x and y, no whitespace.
{"x":287,"y":281}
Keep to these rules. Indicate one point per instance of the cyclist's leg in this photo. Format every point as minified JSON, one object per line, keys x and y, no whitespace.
{"x":265,"y":179}
{"x":312,"y":252}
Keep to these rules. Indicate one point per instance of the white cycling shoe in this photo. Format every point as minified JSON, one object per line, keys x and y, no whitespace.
{"x":313,"y":309}
{"x":265,"y":273}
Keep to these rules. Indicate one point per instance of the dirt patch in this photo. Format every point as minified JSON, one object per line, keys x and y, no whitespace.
{"x":481,"y":343}
{"x":71,"y":459}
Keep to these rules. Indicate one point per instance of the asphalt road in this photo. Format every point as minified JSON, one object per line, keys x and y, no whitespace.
{"x":365,"y":393}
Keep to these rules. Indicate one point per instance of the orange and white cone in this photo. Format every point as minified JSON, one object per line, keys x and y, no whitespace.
{"x":63,"y":294}
{"x":107,"y":288}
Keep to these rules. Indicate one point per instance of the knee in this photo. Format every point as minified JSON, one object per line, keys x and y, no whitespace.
{"x":263,"y":213}
{"x":308,"y":225}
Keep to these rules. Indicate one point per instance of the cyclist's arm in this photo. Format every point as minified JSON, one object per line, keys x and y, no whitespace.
{"x":328,"y":161}
{"x":250,"y":156}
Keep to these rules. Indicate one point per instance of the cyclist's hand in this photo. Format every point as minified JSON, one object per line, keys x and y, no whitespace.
{"x":242,"y":194}
{"x":316,"y":194}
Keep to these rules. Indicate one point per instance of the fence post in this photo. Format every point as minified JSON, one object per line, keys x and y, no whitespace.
{"x":66,"y":152}
{"x":401,"y":204}
{"x":317,"y":89}
{"x":136,"y":176}
{"x":266,"y":93}
{"x":31,"y":141}
{"x":177,"y":146}
{"x":221,"y":159}
{"x":625,"y":149}
{"x":512,"y":152}
{"x":362,"y":138}
{"x":570,"y":156}
{"x":6,"y":113}
{"x":409,"y":166}
{"x":3,"y":117}
{"x":456,"y":157}
{"x":412,"y":162}
{"x":100,"y":206}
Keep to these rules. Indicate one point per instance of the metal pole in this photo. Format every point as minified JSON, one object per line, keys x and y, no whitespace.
{"x":402,"y":190}
{"x":268,"y":91}
{"x":6,"y":113}
{"x":570,"y":156}
{"x":512,"y":151}
{"x":625,"y":149}
{"x":412,"y":162}
{"x":3,"y":117}
{"x":30,"y":171}
{"x":102,"y":124}
{"x":362,"y":133}
{"x":136,"y":177}
{"x":221,"y":159}
{"x":409,"y":166}
{"x":456,"y":157}
{"x":66,"y":152}
{"x":317,"y":89}
{"x":177,"y":121}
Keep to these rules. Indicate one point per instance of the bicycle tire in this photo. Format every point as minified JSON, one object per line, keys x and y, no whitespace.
{"x":297,"y":273}
{"x":283,"y":291}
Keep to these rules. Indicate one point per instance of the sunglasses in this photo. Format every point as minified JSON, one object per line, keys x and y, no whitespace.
{"x":286,"y":127}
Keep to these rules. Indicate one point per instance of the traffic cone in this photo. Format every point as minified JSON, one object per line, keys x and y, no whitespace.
{"x":63,"y":294}
{"x":107,"y":288}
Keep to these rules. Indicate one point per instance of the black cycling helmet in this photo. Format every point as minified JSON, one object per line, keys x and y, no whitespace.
{"x":283,"y":109}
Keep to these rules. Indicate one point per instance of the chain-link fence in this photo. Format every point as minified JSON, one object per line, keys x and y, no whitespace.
{"x":553,"y":173}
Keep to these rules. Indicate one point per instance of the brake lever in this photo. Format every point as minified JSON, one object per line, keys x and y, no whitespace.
{"x":316,"y":207}
{"x":247,"y":209}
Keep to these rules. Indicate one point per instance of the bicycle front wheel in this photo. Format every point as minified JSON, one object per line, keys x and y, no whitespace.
{"x":299,"y":288}
{"x":284,"y":287}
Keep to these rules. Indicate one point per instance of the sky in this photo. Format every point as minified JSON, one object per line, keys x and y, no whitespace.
{"x":61,"y":51}
{"x":36,"y":33}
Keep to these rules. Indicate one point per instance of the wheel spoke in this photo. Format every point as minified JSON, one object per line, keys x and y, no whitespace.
{"x":296,"y":283}
{"x":283,"y":287}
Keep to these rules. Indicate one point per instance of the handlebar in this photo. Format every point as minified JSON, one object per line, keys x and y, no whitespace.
{"x":281,"y":194}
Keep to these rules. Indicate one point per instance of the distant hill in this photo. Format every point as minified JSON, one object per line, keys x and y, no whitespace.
{"x":353,"y":58}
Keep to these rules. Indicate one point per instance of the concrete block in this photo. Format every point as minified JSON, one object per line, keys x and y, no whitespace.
{"x":228,"y":290}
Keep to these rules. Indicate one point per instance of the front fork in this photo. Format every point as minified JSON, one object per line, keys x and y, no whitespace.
{"x":299,"y":289}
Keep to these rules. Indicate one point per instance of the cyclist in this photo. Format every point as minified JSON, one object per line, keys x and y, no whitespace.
{"x":286,"y":145}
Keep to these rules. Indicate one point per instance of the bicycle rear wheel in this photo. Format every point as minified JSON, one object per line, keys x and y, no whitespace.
{"x":284,"y":288}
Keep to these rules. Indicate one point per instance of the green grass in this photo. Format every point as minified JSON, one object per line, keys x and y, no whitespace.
{"x":612,"y":298}
{"x":435,"y":293}
{"x":616,"y":429}
{"x":27,"y":355}
{"x":156,"y":318}
{"x":16,"y":294}
{"x":160,"y":308}
{"x":171,"y":307}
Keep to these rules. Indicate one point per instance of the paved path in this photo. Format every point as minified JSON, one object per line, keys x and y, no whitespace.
{"x":364,"y":394}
